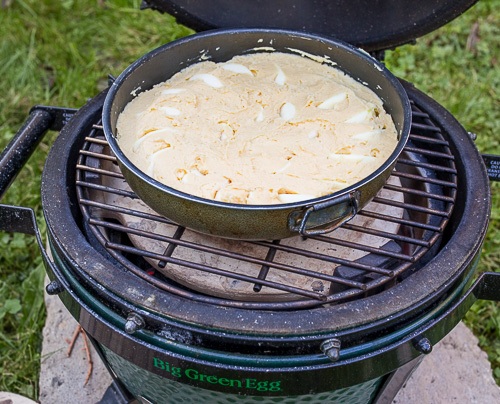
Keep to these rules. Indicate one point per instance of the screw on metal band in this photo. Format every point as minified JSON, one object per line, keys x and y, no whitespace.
{"x":423,"y":345}
{"x":331,"y":348}
{"x":134,"y":323}
{"x":472,"y":135}
{"x":54,"y":288}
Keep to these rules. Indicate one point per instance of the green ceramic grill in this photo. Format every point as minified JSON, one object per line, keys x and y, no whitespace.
{"x":343,"y":317}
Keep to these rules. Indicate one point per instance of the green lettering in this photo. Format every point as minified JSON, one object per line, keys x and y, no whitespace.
{"x":158,"y":363}
{"x":238,"y":382}
{"x":262,"y":386}
{"x":251,"y":383}
{"x":274,"y":386}
{"x":212,"y":379}
{"x":191,"y":374}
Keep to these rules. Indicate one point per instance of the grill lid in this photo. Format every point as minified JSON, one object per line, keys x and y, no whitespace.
{"x":374,"y":25}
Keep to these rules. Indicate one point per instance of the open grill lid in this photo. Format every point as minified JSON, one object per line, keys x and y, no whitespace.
{"x":372,"y":25}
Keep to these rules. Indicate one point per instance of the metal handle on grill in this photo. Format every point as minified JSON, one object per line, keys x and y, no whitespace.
{"x":18,"y":219}
{"x":42,"y":118}
{"x":22,"y":145}
{"x":325,"y":217}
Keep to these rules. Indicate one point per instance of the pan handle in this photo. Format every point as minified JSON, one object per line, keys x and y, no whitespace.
{"x":325,"y":217}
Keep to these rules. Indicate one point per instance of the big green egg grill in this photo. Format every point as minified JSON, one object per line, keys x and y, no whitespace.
{"x":352,"y":332}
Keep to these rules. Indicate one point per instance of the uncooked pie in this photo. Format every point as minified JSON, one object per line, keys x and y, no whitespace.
{"x":265,"y":128}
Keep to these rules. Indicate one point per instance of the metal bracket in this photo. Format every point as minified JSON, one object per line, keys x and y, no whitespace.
{"x":114,"y":395}
{"x":60,"y":116}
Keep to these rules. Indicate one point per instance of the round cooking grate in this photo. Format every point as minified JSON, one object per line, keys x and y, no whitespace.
{"x":391,"y":238}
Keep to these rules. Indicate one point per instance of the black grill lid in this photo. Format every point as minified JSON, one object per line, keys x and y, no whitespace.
{"x":371,"y":25}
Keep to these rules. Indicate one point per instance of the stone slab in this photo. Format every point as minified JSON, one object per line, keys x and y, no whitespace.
{"x":11,"y":398}
{"x":456,"y":372}
{"x":62,"y":377}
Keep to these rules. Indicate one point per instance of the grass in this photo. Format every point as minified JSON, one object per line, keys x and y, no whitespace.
{"x":48,"y":56}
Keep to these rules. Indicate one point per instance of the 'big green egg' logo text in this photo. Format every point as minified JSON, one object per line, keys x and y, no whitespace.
{"x":193,"y":374}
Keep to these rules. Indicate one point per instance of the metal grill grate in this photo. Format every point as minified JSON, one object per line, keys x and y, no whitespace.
{"x":377,"y":249}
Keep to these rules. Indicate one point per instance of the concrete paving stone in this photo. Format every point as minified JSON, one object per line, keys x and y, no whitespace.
{"x":457,"y":371}
{"x":11,"y":398}
{"x":62,"y":377}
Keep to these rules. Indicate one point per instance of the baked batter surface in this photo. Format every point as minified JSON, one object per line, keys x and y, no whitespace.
{"x":264,"y":128}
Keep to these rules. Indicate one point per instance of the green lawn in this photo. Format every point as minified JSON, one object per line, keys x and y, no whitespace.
{"x":48,"y":56}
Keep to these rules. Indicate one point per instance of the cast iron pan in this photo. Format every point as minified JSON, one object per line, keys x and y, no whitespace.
{"x":254,"y":222}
